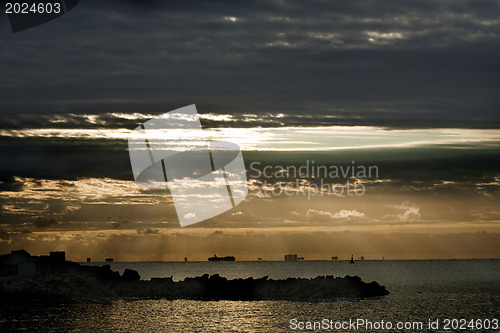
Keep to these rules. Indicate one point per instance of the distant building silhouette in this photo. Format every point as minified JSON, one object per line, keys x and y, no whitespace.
{"x":291,"y":257}
{"x":20,"y":262}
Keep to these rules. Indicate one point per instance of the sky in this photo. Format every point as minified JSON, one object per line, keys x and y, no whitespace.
{"x":411,"y":64}
{"x":409,"y":88}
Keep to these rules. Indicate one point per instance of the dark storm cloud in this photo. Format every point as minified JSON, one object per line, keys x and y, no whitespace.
{"x":43,"y":222}
{"x":4,"y":235}
{"x":9,"y":183}
{"x":412,"y":63}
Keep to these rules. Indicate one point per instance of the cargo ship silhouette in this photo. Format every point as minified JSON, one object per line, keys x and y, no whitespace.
{"x":228,"y":258}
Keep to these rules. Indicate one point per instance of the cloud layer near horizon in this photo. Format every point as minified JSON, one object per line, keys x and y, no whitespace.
{"x":253,"y":244}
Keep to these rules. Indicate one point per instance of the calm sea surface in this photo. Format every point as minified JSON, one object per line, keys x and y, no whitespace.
{"x":421,"y":290}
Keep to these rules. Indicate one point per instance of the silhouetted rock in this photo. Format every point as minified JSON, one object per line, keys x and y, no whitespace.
{"x":130,"y":275}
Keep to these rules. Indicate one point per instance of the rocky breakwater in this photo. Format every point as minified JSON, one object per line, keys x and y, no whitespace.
{"x":25,"y":278}
{"x":216,"y":287}
{"x":95,"y":283}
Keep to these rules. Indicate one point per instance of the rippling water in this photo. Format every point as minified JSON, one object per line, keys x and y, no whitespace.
{"x":420,"y":290}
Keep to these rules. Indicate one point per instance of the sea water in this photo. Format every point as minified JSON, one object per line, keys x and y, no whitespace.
{"x":457,"y":295}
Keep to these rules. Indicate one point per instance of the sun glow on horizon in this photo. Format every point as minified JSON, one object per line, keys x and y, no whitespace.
{"x":320,"y":138}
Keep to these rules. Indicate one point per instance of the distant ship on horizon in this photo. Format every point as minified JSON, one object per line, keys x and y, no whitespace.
{"x":228,"y":258}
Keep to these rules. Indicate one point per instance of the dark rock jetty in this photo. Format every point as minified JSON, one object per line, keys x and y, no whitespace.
{"x":61,"y":280}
